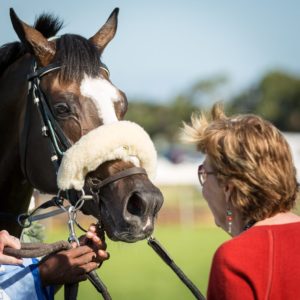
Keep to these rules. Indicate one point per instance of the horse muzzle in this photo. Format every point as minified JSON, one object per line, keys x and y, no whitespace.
{"x":133,"y":218}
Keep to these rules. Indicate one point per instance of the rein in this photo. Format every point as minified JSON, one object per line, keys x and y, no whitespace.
{"x":29,"y":250}
{"x":162,"y":253}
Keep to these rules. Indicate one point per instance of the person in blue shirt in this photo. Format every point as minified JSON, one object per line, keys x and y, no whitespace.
{"x":36,"y":280}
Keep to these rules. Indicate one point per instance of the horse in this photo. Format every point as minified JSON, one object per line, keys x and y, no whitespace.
{"x":66,"y":77}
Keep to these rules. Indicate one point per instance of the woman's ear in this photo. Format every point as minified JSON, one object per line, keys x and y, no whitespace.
{"x":228,"y":187}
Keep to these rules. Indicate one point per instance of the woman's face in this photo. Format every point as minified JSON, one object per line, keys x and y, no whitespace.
{"x":214,"y":195}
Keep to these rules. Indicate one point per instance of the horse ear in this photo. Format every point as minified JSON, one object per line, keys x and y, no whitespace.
{"x":35,"y":42}
{"x":106,"y":32}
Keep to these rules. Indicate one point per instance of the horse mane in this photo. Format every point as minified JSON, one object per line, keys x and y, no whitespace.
{"x":10,"y":53}
{"x":76,"y":54}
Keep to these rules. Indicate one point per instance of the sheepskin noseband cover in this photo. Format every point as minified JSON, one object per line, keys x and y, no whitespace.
{"x":120,"y":140}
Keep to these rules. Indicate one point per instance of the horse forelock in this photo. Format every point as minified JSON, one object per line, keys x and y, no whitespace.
{"x":78,"y":58}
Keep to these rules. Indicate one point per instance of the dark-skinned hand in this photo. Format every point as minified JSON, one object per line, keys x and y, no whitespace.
{"x":71,"y":266}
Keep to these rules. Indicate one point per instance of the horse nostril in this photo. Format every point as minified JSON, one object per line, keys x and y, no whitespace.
{"x":136,"y":205}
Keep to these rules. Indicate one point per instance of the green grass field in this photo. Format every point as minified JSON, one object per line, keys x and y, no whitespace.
{"x":136,"y":272}
{"x":187,"y":231}
{"x":185,"y":228}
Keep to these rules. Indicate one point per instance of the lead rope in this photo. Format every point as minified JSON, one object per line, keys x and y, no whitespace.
{"x":158,"y":248}
{"x":29,"y":250}
{"x":71,"y":290}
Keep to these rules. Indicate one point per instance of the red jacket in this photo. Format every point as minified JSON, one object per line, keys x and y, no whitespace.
{"x":262,"y":263}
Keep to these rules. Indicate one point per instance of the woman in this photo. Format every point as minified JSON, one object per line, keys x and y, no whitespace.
{"x":34,"y":280}
{"x":249,"y":182}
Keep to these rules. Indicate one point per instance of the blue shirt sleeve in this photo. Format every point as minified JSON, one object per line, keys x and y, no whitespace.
{"x":23,"y":282}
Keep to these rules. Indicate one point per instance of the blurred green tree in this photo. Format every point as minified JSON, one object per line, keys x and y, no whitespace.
{"x":276,"y":97}
{"x":164,"y":121}
{"x":161,"y":120}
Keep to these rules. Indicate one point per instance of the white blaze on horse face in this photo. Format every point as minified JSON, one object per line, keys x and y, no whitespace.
{"x":103,"y":94}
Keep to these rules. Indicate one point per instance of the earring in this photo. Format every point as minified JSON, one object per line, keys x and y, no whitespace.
{"x":229,"y":220}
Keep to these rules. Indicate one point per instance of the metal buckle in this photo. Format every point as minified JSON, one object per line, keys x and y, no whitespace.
{"x":72,"y":214}
{"x":23,"y":220}
{"x":72,"y":217}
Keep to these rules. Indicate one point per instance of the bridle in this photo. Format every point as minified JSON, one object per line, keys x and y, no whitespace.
{"x":51,"y":129}
{"x":59,"y":143}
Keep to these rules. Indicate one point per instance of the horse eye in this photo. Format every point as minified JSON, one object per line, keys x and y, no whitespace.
{"x":62,"y":109}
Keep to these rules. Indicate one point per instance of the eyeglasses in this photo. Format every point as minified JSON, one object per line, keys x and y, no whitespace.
{"x":202,"y":174}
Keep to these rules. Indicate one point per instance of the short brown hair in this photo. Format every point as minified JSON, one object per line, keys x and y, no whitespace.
{"x":251,"y":154}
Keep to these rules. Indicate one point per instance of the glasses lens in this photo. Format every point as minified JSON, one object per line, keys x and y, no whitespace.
{"x":201,"y":174}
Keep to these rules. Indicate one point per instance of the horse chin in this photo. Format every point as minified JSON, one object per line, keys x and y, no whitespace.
{"x":122,"y":232}
{"x":129,"y":235}
{"x":126,"y":236}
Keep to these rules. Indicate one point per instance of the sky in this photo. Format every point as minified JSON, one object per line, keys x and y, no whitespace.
{"x":162,"y":47}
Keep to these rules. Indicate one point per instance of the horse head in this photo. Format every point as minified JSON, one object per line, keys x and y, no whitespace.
{"x":88,"y":109}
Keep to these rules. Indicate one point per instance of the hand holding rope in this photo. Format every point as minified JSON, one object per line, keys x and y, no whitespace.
{"x":41,"y":249}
